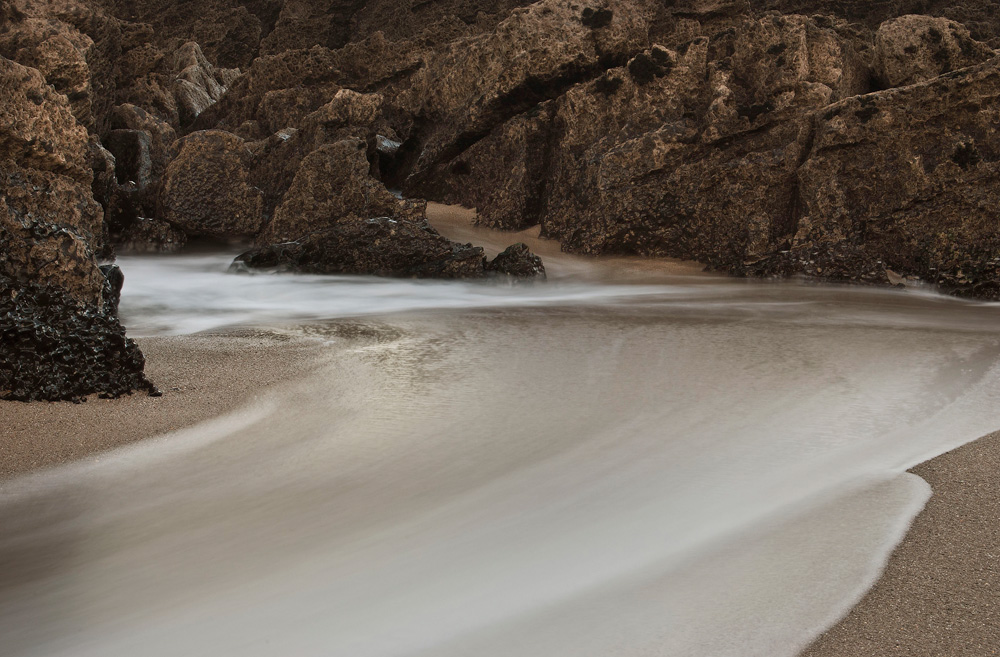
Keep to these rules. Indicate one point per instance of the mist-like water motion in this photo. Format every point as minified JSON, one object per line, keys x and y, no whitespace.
{"x":576,"y":468}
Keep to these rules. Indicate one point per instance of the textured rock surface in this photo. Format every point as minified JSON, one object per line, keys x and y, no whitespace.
{"x":912,"y":49}
{"x":54,"y":348}
{"x":908,"y":179}
{"x":383,"y":246}
{"x":476,"y":84}
{"x":517,"y":261}
{"x":331,"y":185}
{"x":206,"y":188}
{"x":59,"y":332}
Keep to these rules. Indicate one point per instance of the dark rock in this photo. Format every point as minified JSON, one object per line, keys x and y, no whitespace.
{"x":381,"y":246}
{"x":206,"y":189}
{"x":517,"y":261}
{"x":55,"y":349}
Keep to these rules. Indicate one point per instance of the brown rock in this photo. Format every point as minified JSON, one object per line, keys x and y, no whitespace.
{"x":37,"y":126}
{"x":313,"y":71}
{"x":143,"y":235}
{"x":306,"y":23}
{"x":908,"y":179}
{"x":331,"y":185}
{"x":42,"y":234}
{"x":912,"y":49}
{"x":198,"y":84}
{"x":206,"y":188}
{"x":380,"y":246}
{"x":697,"y":159}
{"x":59,"y":52}
{"x":49,"y":220}
{"x":533,"y":55}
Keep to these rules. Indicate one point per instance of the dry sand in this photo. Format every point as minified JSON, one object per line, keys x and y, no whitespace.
{"x":940,"y":593}
{"x":201,"y":376}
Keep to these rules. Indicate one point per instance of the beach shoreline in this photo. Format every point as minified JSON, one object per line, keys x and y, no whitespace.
{"x":202,"y":376}
{"x":932,"y":599}
{"x":938,"y":593}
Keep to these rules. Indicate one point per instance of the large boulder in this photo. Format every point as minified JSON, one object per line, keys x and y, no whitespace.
{"x":911,"y":49}
{"x":380,"y":246}
{"x":331,"y":185}
{"x":349,"y":115}
{"x":60,"y":337}
{"x":907,"y":180}
{"x":337,"y":219}
{"x":693,"y":153}
{"x":533,"y":55}
{"x":206,"y":189}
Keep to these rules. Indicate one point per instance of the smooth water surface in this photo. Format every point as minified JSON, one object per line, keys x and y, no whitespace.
{"x":589,"y":466}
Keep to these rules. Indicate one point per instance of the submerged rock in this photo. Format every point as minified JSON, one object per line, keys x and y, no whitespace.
{"x":380,"y":246}
{"x":517,"y":261}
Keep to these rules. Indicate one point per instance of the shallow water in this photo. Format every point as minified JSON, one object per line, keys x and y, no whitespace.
{"x":590,"y":466}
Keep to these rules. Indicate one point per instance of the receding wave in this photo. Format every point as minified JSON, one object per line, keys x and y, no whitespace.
{"x":581,"y":467}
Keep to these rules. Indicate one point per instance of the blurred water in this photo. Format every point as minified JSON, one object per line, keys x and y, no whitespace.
{"x":584,"y":467}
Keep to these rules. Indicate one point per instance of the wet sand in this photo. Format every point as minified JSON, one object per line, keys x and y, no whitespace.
{"x":201,"y":376}
{"x":940,"y":593}
{"x":458,"y":224}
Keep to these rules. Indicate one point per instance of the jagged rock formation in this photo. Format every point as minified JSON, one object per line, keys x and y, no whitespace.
{"x":844,"y":140}
{"x":59,"y":332}
{"x":336,"y":219}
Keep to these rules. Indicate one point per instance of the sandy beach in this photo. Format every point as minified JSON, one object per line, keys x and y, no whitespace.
{"x":940,"y":592}
{"x":201,"y":376}
{"x":937,"y":595}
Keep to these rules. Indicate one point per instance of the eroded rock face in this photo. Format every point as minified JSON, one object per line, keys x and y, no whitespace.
{"x":59,"y":332}
{"x":534,"y":54}
{"x":907,"y":180}
{"x":912,"y":49}
{"x":331,"y":185}
{"x":348,"y":116}
{"x":206,"y":188}
{"x":697,"y":159}
{"x":55,"y":349}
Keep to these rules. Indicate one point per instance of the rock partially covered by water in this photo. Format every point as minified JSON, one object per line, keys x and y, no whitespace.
{"x":517,"y":261}
{"x":54,"y":348}
{"x":337,"y":219}
{"x":381,"y":246}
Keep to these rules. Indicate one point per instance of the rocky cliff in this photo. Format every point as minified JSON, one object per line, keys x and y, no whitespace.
{"x":845,"y":141}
